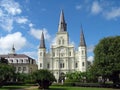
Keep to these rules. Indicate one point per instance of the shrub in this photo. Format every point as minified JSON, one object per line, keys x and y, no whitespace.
{"x":44,"y":78}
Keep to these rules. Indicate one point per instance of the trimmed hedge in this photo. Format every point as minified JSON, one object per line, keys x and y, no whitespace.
{"x":14,"y":83}
{"x":88,"y":84}
{"x":69,"y":84}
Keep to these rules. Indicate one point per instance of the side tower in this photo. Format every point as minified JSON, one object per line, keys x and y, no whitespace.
{"x":82,"y":53}
{"x":41,"y":53}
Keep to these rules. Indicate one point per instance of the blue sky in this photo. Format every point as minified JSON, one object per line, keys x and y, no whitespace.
{"x":22,"y":21}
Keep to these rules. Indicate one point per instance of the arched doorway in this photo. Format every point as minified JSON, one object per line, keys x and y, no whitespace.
{"x":62,"y":77}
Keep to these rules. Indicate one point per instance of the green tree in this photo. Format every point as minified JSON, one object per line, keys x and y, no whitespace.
{"x":6,"y":71}
{"x":76,"y":77}
{"x":3,"y":60}
{"x":91,"y":75}
{"x":44,"y":78}
{"x":107,"y":58}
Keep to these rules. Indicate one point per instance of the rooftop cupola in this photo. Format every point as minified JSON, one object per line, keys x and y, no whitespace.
{"x":13,"y":50}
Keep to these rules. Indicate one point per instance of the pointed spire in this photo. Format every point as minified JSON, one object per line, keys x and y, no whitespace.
{"x":42,"y":41}
{"x":13,"y":50}
{"x":82,"y":39}
{"x":62,"y":24}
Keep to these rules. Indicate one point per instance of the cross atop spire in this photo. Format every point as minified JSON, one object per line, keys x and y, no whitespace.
{"x":82,"y":39}
{"x":62,"y":24}
{"x":42,"y":41}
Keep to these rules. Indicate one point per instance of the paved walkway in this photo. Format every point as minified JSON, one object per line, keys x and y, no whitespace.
{"x":30,"y":88}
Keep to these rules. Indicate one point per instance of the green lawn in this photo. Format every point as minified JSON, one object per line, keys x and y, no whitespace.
{"x":76,"y":88}
{"x":53,"y":88}
{"x":12,"y":87}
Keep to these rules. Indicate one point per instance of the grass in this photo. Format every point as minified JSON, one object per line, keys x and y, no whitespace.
{"x":75,"y":88}
{"x":52,"y":88}
{"x":13,"y":87}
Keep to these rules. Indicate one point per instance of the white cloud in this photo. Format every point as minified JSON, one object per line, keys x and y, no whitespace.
{"x":10,"y":13}
{"x":53,"y":41}
{"x":96,"y":8}
{"x":109,"y":10}
{"x":7,"y":24}
{"x":21,"y":20}
{"x":7,"y":41}
{"x":37,"y":33}
{"x":1,"y":13}
{"x":90,"y":58}
{"x":113,"y":14}
{"x":31,"y":25}
{"x":11,"y":7}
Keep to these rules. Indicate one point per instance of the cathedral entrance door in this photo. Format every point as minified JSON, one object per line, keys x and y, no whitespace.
{"x":62,"y":77}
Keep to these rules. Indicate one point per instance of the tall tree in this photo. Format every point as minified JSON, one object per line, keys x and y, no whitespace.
{"x":3,"y":60}
{"x":107,"y":58}
{"x":6,"y":71}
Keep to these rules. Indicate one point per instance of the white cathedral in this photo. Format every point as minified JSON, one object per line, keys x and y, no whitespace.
{"x":63,"y":57}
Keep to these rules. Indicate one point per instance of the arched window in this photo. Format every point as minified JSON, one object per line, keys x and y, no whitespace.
{"x":53,"y":54}
{"x":24,"y":68}
{"x":76,"y":65}
{"x":11,"y":61}
{"x":48,"y":65}
{"x":82,"y":52}
{"x":40,"y":64}
{"x":19,"y":68}
{"x":60,"y":65}
{"x":40,"y":53}
{"x":21,"y":60}
{"x":83,"y":64}
{"x":63,"y":65}
{"x":70,"y":53}
{"x":16,"y":60}
{"x":59,"y":41}
{"x":44,"y":53}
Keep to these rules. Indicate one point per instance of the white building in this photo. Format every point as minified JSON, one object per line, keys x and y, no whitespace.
{"x":21,"y":62}
{"x":63,"y":57}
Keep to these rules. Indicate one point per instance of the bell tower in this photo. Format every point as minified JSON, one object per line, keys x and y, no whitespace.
{"x":82,"y":52}
{"x":41,"y":53}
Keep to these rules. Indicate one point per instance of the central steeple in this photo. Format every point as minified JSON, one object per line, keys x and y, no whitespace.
{"x":62,"y":25}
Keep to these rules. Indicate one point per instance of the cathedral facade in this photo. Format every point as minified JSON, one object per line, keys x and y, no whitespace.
{"x":63,"y":57}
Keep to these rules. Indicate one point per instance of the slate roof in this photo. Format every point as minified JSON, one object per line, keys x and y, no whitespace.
{"x":14,"y":56}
